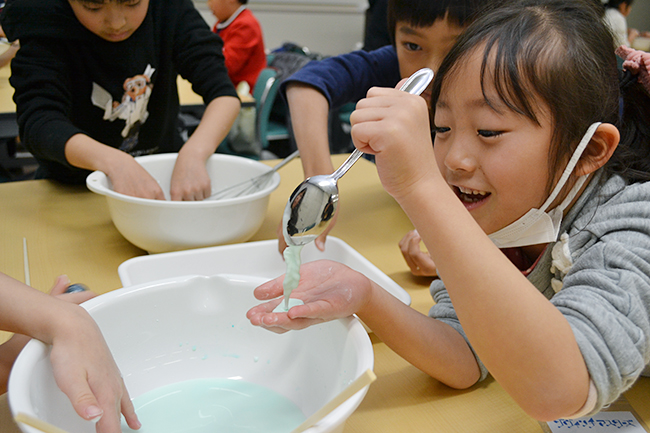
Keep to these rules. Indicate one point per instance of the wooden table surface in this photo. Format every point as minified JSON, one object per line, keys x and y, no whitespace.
{"x":69,"y":230}
{"x":6,"y":91}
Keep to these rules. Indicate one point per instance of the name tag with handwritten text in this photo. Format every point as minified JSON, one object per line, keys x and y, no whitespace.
{"x":602,"y":422}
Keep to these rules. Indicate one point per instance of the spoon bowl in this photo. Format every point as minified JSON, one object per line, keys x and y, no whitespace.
{"x":313,"y":203}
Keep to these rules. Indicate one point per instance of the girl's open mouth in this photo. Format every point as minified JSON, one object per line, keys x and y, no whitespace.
{"x":469,"y":197}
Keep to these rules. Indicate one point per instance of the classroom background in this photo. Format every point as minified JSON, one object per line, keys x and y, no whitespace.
{"x":332,"y":27}
{"x":328,"y":27}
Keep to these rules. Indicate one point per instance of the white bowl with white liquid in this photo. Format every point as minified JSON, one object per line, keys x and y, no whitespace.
{"x":195,"y":327}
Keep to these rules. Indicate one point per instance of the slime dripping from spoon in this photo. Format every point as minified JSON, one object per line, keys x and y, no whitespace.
{"x":312,"y":205}
{"x":291,"y":278}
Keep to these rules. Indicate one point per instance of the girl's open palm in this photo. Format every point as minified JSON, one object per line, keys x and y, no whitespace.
{"x":329,"y":290}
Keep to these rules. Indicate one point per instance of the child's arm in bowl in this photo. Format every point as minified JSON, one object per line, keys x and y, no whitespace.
{"x":83,"y":366}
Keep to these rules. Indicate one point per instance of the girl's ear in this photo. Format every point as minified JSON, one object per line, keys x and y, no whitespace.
{"x":599,"y":150}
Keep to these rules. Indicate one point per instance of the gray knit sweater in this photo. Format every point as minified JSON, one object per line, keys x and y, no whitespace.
{"x":598,"y":276}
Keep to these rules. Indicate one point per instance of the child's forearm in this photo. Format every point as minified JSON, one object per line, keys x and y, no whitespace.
{"x":218,"y":118}
{"x":309,"y":120}
{"x":128,"y":177}
{"x":523,"y":340}
{"x":431,"y":345}
{"x":85,"y":152}
{"x":27,"y":311}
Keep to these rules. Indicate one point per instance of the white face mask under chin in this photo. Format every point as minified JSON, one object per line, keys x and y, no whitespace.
{"x":538,"y":226}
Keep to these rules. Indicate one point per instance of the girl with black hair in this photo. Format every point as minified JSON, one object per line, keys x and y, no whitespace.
{"x":532,"y":197}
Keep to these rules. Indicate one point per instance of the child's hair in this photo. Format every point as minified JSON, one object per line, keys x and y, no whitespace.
{"x":560,"y":53}
{"x":423,"y":13}
{"x":102,"y":1}
{"x":616,"y":3}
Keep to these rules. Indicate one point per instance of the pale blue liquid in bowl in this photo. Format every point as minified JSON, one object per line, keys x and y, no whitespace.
{"x":215,"y":405}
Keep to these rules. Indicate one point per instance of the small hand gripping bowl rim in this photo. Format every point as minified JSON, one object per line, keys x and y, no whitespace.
{"x":160,"y":226}
{"x":196,"y":327}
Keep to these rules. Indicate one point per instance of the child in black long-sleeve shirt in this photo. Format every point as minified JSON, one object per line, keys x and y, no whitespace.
{"x":96,"y":85}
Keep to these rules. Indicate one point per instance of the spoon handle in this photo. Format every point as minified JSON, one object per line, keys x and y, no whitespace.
{"x":415,"y":85}
{"x":354,"y":156}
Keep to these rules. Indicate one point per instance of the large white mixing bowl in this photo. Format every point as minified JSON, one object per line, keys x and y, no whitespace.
{"x":161,"y":226}
{"x":195,"y":327}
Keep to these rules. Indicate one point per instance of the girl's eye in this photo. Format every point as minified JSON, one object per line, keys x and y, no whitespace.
{"x":410,"y":46}
{"x":440,"y":130}
{"x":488,"y":134}
{"x":133,"y":3}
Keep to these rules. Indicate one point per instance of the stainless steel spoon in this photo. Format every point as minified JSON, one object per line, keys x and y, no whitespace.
{"x":313,"y":203}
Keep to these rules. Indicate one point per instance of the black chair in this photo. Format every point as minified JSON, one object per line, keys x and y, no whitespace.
{"x":15,"y":160}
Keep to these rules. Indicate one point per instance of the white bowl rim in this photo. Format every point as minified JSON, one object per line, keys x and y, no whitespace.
{"x":19,"y":400}
{"x":94,"y":182}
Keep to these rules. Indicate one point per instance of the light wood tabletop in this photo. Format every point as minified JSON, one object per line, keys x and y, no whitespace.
{"x":69,"y":230}
{"x":6,"y":91}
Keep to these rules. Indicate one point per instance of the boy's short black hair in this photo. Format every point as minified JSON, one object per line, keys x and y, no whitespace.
{"x":423,"y":13}
{"x":243,"y":2}
{"x":102,"y":1}
{"x":614,"y":4}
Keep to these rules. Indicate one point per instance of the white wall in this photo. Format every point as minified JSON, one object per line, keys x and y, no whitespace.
{"x":333,"y":27}
{"x":640,"y":16}
{"x":326,"y":27}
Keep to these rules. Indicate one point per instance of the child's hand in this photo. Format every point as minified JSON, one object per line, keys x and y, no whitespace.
{"x":419,"y":261}
{"x":637,"y":62}
{"x":132,"y":179}
{"x":329,"y":290}
{"x":59,"y":290}
{"x":190,"y":179}
{"x":85,"y":371}
{"x":77,"y":370}
{"x":394,"y":126}
{"x":10,"y":350}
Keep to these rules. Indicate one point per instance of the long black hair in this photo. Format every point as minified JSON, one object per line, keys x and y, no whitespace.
{"x":559,"y":52}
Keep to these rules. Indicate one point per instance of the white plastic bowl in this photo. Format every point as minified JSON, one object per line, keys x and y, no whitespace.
{"x":161,"y":226}
{"x":195,"y":327}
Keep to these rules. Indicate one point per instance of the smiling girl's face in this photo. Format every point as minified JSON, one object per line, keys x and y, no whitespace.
{"x":495,"y":160}
{"x":113,"y":21}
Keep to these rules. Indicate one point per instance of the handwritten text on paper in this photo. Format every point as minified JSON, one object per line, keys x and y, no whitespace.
{"x":602,"y":422}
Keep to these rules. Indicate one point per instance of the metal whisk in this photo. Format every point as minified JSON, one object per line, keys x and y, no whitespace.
{"x":251,"y":185}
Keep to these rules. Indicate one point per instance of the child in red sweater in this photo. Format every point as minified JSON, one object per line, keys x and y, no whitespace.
{"x":243,"y":44}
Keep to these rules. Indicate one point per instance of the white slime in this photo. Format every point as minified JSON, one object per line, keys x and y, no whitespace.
{"x":291,"y":278}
